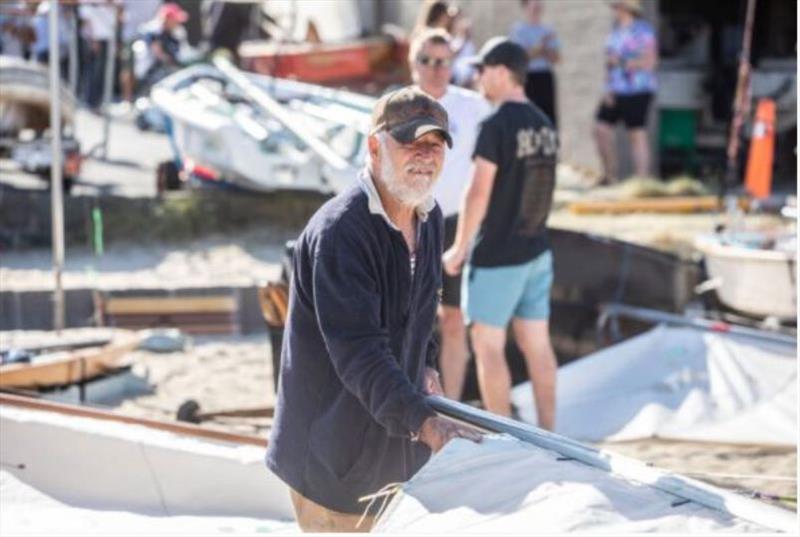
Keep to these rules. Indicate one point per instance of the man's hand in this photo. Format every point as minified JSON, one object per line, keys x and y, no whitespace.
{"x":432,"y":384}
{"x":436,"y":432}
{"x":453,"y":260}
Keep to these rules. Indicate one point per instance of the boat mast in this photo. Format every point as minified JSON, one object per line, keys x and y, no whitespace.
{"x":56,"y":185}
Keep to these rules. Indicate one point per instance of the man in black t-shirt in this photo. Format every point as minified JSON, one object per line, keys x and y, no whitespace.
{"x":508,"y":271}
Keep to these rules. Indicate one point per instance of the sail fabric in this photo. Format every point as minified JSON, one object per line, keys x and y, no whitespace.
{"x":678,"y":383}
{"x":504,"y":485}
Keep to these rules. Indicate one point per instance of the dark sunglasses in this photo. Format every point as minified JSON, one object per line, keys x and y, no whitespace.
{"x":427,"y":61}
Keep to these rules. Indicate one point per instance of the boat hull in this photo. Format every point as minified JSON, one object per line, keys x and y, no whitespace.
{"x":755,"y":282}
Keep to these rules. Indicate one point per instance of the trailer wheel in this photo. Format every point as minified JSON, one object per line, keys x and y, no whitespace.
{"x":188,"y":411}
{"x":167,"y":177}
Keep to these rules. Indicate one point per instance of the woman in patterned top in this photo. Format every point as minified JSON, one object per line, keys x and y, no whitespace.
{"x":631,"y":57}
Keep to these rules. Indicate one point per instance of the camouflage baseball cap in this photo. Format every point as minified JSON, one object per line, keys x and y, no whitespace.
{"x":409,"y":113}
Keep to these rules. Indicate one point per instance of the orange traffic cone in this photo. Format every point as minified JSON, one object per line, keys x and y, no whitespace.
{"x":758,"y":179}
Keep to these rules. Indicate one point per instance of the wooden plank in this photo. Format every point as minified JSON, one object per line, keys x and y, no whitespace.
{"x":69,"y":346}
{"x":173,"y":318}
{"x":210,"y":329}
{"x":163,"y":305}
{"x":76,"y":367}
{"x":183,"y":429}
{"x":257,"y":412}
{"x":216,"y":328}
{"x":676,"y":204}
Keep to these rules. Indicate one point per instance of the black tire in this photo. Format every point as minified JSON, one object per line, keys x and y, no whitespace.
{"x":188,"y":411}
{"x":167,"y":177}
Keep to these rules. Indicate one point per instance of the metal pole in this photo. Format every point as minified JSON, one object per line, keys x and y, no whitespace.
{"x":615,"y":311}
{"x":741,"y":100}
{"x":108,"y":81}
{"x":73,"y":50}
{"x":766,"y":515}
{"x":56,"y":185}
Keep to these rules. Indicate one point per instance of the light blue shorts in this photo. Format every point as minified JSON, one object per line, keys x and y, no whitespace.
{"x":493,"y":295}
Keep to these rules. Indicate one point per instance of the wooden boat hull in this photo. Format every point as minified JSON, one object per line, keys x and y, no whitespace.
{"x":324,"y":63}
{"x":77,"y":367}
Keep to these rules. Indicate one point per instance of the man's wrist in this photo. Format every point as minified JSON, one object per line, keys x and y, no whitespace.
{"x":417,"y":435}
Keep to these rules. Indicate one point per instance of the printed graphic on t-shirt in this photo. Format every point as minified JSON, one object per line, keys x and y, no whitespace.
{"x":537,"y":196}
{"x":532,"y":142}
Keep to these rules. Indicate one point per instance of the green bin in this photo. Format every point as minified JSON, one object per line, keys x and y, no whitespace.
{"x":677,"y":129}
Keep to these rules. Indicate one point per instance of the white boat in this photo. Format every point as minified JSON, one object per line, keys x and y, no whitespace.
{"x":25,"y":98}
{"x":78,"y":470}
{"x":261,"y":133}
{"x":25,"y":119}
{"x":750,"y":278}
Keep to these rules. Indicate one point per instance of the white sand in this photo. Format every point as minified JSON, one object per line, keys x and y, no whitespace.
{"x":246,"y":259}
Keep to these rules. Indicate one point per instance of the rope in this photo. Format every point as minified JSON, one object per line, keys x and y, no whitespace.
{"x":386,"y":493}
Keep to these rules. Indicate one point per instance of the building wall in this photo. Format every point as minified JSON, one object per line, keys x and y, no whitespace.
{"x":581,"y":25}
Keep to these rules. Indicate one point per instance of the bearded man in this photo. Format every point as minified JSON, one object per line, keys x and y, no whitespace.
{"x":358,"y":356}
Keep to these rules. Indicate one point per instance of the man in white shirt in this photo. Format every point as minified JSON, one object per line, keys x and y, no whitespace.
{"x":431,"y":61}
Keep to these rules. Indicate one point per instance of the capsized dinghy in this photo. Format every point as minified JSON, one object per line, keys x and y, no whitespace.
{"x":254,"y":132}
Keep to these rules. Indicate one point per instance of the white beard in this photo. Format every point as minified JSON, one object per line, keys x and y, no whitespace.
{"x":415,"y":190}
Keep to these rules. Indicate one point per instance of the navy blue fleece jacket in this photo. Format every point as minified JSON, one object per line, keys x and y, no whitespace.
{"x":357,"y":340}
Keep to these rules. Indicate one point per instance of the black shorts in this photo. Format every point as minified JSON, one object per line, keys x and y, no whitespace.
{"x":630,"y":109}
{"x":540,"y":89}
{"x":451,"y":285}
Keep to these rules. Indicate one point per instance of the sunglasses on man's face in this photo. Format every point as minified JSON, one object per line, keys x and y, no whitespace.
{"x":436,"y":63}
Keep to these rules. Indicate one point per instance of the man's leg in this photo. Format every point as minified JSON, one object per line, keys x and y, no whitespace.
{"x":454,"y":354}
{"x":314,"y":518}
{"x":533,"y":339}
{"x":604,"y":137}
{"x":494,"y":377}
{"x":640,"y":149}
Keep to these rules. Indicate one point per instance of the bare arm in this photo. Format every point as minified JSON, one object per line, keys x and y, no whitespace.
{"x":647,"y":60}
{"x":473,"y":210}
